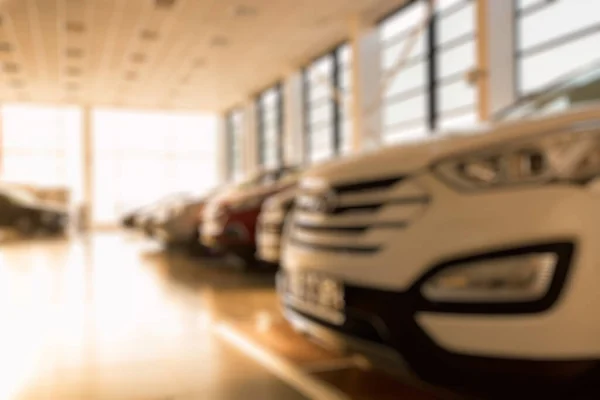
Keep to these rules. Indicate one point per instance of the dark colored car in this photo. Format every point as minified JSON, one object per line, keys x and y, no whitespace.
{"x":230,"y":218}
{"x":25,"y":213}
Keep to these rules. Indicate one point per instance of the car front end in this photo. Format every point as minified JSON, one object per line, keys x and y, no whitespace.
{"x":270,"y":226}
{"x":178,"y":225}
{"x":472,"y":256}
{"x":229,"y":225}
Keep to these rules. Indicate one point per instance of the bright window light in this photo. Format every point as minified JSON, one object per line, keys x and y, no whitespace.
{"x":140,"y":157}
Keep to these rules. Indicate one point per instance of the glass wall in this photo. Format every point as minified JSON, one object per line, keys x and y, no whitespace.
{"x":327,"y":115}
{"x":405,"y":109}
{"x":428,"y":89}
{"x":41,"y":146}
{"x":270,"y":127}
{"x":553,"y":38}
{"x":320,"y":110}
{"x":235,"y":145}
{"x":140,"y":157}
{"x":456,"y":55}
{"x":344,"y":67}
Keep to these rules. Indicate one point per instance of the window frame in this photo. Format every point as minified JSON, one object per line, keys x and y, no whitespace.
{"x":546,"y":46}
{"x":431,"y":65}
{"x":335,"y":125}
{"x":231,"y":138}
{"x":261,"y":139}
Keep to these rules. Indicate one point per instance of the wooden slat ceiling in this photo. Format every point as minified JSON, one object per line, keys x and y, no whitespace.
{"x":176,"y":54}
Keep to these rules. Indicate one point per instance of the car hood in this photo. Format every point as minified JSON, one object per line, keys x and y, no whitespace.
{"x":48,"y":207}
{"x":239,"y":195}
{"x":410,"y":157}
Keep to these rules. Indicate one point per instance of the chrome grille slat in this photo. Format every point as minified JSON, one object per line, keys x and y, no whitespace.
{"x":365,"y":185}
{"x":350,"y":228}
{"x":336,"y":248}
{"x":351,"y":239}
{"x":352,"y":217}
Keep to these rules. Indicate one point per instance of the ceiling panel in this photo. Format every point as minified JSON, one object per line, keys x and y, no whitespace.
{"x":196,"y":54}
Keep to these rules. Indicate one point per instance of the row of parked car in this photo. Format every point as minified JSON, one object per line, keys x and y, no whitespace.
{"x":473,"y":256}
{"x":243,"y":219}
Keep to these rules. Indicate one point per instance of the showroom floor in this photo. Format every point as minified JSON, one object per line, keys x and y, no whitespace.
{"x":115,"y":317}
{"x":109,"y":318}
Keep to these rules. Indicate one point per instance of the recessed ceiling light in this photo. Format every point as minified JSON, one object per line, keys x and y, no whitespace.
{"x":5,"y":47}
{"x":242,"y":10}
{"x":219,"y":41}
{"x":164,"y":3}
{"x":148,"y":34}
{"x":73,"y":71}
{"x":138,"y":57}
{"x":11,"y":67}
{"x":75,"y":26}
{"x":74,"y":52}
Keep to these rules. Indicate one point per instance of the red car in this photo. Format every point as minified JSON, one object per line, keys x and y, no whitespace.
{"x":229,"y":219}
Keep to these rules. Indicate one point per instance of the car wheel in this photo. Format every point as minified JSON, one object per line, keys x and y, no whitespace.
{"x":25,"y":226}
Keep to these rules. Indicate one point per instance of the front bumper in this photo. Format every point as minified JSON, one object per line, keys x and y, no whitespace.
{"x":268,"y":247}
{"x":495,"y":377}
{"x":457,"y":225}
{"x":384,"y":326}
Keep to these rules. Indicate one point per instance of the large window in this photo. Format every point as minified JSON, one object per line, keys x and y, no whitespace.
{"x":140,"y":157}
{"x":553,"y":38}
{"x":320,"y":109}
{"x":235,"y":145}
{"x":405,"y":111}
{"x":455,"y":52}
{"x":41,"y":146}
{"x":327,"y":115}
{"x":270,"y":127}
{"x":430,"y":90}
{"x":344,"y":79}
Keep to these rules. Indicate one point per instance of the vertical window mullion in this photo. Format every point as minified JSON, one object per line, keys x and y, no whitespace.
{"x":280,"y":124}
{"x":307,"y":115}
{"x":432,"y":70}
{"x":231,"y":143}
{"x":335,"y":79}
{"x":260,"y":130}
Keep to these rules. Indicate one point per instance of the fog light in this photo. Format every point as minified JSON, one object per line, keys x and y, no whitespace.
{"x":511,"y":279}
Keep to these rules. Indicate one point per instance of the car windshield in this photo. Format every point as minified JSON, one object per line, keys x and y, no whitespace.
{"x":579,"y":87}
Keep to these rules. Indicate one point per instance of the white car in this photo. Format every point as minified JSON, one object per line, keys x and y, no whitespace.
{"x":178,"y":224}
{"x":466,"y":254}
{"x":270,"y":225}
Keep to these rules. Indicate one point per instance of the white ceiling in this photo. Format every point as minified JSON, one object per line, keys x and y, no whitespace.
{"x":195,"y":54}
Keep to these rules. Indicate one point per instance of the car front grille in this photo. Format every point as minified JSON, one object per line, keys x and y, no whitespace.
{"x":270,"y":227}
{"x":350,"y":217}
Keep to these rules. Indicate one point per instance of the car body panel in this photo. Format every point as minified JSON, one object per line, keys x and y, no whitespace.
{"x":381,"y":223}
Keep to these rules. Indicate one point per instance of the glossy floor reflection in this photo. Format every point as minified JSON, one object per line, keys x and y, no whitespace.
{"x":108,"y":317}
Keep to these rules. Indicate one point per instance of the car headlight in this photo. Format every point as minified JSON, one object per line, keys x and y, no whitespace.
{"x":572,"y":156}
{"x":522,"y":278}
